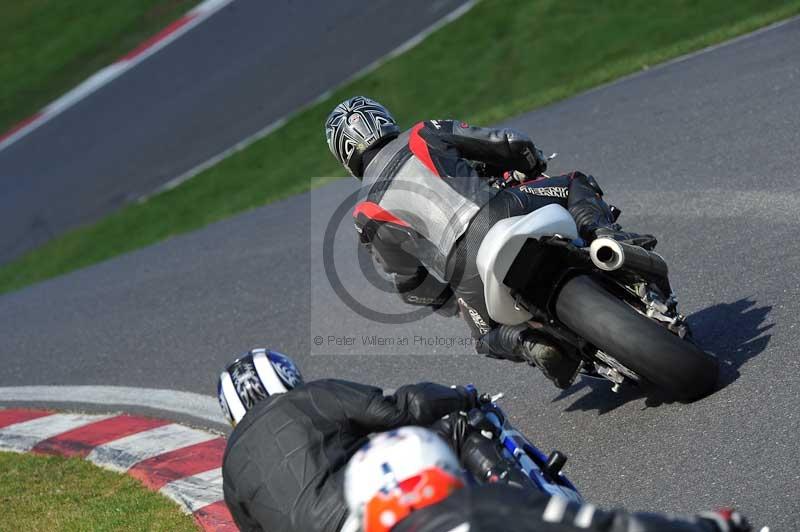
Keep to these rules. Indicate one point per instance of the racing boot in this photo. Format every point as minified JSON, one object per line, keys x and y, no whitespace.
{"x":595,"y":218}
{"x":550,"y":359}
{"x":504,"y":341}
{"x":520,"y":344}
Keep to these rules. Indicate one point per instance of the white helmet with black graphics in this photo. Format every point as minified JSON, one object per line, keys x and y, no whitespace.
{"x":253,"y":377}
{"x":355,"y":126}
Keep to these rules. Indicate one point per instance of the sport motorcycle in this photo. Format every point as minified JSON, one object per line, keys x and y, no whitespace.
{"x":609,"y":304}
{"x":492,"y":450}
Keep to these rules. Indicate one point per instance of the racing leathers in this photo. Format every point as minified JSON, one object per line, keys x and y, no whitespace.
{"x":284,"y":465}
{"x":283,"y":468}
{"x":424,"y":208}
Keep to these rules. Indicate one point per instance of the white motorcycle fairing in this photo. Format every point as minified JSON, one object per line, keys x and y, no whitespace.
{"x":500,"y":247}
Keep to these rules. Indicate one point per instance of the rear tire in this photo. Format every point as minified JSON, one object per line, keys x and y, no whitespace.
{"x":675,"y":366}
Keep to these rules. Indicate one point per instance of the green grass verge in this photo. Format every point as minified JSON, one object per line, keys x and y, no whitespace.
{"x":49,"y":46}
{"x":501,"y":58}
{"x":53,"y":493}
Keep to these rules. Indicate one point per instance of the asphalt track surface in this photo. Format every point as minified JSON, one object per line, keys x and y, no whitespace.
{"x":701,"y":152}
{"x":244,"y":68}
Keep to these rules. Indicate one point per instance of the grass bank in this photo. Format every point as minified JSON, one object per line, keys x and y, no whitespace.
{"x":502,"y":58}
{"x":49,"y":46}
{"x":51,"y":493}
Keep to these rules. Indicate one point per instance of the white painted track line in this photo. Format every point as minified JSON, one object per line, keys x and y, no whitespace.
{"x":104,"y":76}
{"x":199,"y":493}
{"x":277,"y":124}
{"x":122,"y":454}
{"x":187,"y":403}
{"x":22,"y":437}
{"x":411,"y":43}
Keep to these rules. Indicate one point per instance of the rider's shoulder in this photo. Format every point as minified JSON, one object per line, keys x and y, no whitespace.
{"x":441,"y":124}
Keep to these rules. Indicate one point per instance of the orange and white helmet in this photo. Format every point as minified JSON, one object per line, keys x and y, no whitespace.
{"x":397,"y":472}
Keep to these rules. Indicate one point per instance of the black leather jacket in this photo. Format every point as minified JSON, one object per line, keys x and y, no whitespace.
{"x":283,"y":468}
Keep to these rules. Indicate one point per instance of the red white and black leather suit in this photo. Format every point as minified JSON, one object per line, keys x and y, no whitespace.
{"x":424,"y":209}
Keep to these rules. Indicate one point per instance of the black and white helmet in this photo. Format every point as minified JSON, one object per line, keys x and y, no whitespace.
{"x":253,"y":377}
{"x":354,"y":126}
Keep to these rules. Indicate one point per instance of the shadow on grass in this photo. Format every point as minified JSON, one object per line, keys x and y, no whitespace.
{"x":734,"y":332}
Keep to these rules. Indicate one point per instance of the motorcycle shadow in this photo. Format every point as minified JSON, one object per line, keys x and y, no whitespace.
{"x":734,"y":332}
{"x":601,"y":398}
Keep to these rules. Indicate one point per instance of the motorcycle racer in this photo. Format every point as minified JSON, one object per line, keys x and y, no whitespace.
{"x":404,"y":481}
{"x":284,"y":463}
{"x":430,"y":194}
{"x":288,"y":458}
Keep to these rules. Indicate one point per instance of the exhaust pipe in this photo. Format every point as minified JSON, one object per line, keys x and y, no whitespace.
{"x":610,"y":255}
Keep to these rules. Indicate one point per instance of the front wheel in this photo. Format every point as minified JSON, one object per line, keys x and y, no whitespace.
{"x":675,"y":366}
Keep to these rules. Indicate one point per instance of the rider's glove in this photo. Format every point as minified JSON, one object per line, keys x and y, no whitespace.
{"x":727,"y":520}
{"x":538,"y":163}
{"x":541,"y":163}
{"x":426,"y":402}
